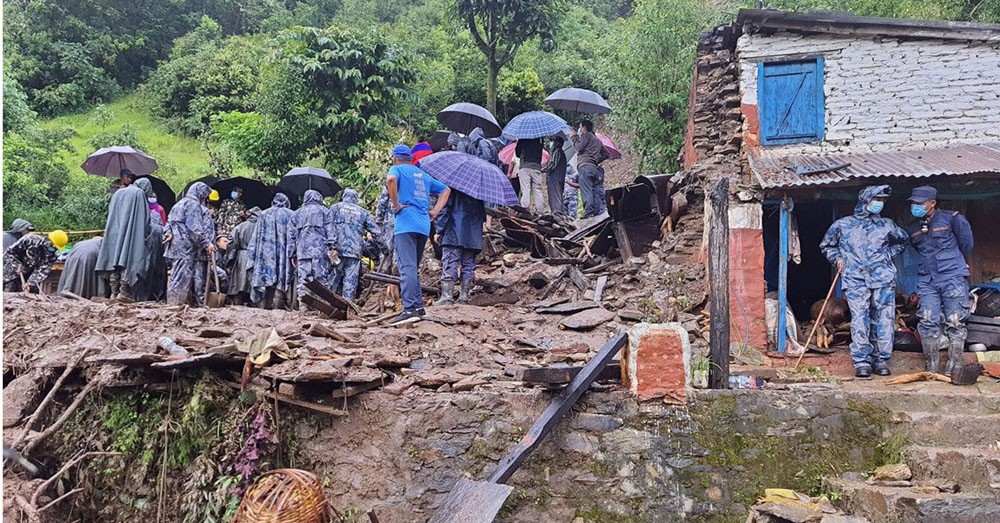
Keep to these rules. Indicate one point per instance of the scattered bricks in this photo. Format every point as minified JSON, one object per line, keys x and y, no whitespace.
{"x":656,"y":360}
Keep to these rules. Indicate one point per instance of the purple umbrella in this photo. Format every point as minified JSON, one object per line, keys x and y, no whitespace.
{"x":109,"y":161}
{"x":472,"y":175}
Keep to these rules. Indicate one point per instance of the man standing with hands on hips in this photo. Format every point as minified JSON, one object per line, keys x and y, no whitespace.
{"x":410,"y":190}
{"x":943,"y":239}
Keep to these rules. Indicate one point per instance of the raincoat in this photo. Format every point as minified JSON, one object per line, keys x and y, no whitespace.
{"x":124,"y":247}
{"x":867,"y":243}
{"x":153,"y":287}
{"x":351,"y":221}
{"x":78,"y":274}
{"x":311,"y":237}
{"x":17,"y":230}
{"x":191,"y":233}
{"x":270,"y":268}
{"x":239,"y":255}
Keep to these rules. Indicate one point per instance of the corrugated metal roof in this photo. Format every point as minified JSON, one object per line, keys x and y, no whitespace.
{"x":776,"y":171}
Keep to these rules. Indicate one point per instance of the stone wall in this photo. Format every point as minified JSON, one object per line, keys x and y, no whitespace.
{"x":612,"y":460}
{"x":886,"y":93}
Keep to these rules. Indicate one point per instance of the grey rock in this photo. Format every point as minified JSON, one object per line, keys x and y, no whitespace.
{"x":595,"y":422}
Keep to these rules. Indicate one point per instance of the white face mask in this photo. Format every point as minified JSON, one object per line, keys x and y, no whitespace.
{"x":151,"y":200}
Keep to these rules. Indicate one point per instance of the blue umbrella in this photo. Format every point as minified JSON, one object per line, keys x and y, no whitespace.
{"x":301,"y":179}
{"x":534,"y":124}
{"x":472,"y":175}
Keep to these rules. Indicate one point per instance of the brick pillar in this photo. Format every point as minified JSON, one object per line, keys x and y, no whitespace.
{"x":746,"y":276}
{"x":657,"y":360}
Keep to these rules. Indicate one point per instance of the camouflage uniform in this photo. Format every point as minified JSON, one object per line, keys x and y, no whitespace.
{"x":351,"y":221}
{"x":271,"y":274}
{"x":311,"y":237}
{"x":230,"y":215}
{"x":192,"y":232}
{"x":32,"y":256}
{"x":571,"y":200}
{"x":385,"y":218}
{"x":867,"y":243}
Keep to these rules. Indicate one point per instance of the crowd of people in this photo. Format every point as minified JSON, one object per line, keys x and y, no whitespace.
{"x":265,"y":257}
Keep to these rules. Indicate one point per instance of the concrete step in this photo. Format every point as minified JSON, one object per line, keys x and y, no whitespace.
{"x":949,"y":429}
{"x":913,"y":505}
{"x":931,"y":397}
{"x":975,"y":469}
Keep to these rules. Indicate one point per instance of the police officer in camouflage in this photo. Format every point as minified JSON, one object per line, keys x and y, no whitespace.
{"x":862,"y":247}
{"x":312,"y":243}
{"x":351,"y":221}
{"x":943,"y":239}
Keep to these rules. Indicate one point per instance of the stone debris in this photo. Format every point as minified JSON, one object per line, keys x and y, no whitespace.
{"x":894,"y":472}
{"x":587,"y":319}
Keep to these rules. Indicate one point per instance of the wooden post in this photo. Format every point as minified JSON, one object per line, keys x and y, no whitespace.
{"x":718,"y":277}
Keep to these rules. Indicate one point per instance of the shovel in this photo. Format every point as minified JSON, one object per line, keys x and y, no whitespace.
{"x":213,"y":300}
{"x":480,"y":501}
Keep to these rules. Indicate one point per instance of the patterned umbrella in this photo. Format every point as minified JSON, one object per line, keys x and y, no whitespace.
{"x":464,"y":117}
{"x":578,"y":100}
{"x":109,"y":161}
{"x":472,"y":175}
{"x":534,"y":124}
{"x":301,"y":179}
{"x":613,"y":152}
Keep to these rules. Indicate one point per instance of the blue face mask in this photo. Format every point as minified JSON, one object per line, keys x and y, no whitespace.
{"x":234,"y":195}
{"x":875,"y":206}
{"x":918,"y":210}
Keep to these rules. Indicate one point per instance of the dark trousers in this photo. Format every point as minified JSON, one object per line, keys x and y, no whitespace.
{"x":555,"y":184}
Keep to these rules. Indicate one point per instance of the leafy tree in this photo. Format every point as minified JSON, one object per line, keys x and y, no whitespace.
{"x":16,"y":114}
{"x":124,"y":136}
{"x":520,"y":92}
{"x":500,"y":27}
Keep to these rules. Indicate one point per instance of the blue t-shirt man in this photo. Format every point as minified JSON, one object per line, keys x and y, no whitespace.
{"x":415,"y":188}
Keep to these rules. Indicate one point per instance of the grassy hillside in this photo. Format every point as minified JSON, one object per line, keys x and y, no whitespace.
{"x":181,"y":158}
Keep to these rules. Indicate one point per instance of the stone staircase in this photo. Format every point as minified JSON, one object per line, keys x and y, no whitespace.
{"x":952,"y":438}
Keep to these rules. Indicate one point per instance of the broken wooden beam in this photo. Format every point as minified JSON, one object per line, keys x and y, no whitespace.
{"x":602,"y":266}
{"x":354,"y":390}
{"x":338,"y":301}
{"x":325,"y":331}
{"x":284,"y":398}
{"x":564,"y":261}
{"x":394,"y":280}
{"x":324,"y":307}
{"x":563,"y":375}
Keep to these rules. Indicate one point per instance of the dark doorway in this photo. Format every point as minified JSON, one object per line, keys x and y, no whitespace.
{"x":807,"y":281}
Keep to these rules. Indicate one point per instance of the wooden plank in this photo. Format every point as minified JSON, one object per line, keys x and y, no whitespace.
{"x":718,"y":276}
{"x":563,"y":375}
{"x":201,"y":360}
{"x":472,"y":502}
{"x":603,"y":266}
{"x":576,"y":276}
{"x":599,"y":288}
{"x":562,"y":404}
{"x":621,"y":236}
{"x":284,"y":398}
{"x":329,"y":296}
{"x":326,"y":331}
{"x":567,"y":308}
{"x":324,"y":307}
{"x":354,"y":390}
{"x":564,"y":261}
{"x":129,"y":358}
{"x":393,"y":280}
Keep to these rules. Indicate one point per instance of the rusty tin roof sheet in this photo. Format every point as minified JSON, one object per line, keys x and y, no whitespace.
{"x":775,"y":171}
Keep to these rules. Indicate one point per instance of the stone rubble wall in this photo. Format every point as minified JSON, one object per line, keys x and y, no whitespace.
{"x":885,"y":94}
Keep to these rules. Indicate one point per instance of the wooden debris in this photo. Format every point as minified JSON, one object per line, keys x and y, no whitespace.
{"x":568,"y":308}
{"x":128,"y":358}
{"x":284,"y":398}
{"x":918,"y":376}
{"x":587,"y":319}
{"x":210,"y":359}
{"x":563,"y":375}
{"x":564,"y":261}
{"x":334,"y":299}
{"x":394,"y":280}
{"x":324,"y":307}
{"x":325,"y":331}
{"x":214,"y":333}
{"x":602,"y":266}
{"x":599,"y":288}
{"x":354,"y":390}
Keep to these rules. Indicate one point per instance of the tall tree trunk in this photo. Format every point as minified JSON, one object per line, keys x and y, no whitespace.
{"x":491,"y":86}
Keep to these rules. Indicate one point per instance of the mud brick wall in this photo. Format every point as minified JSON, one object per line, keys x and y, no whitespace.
{"x":884,"y":93}
{"x":612,"y":460}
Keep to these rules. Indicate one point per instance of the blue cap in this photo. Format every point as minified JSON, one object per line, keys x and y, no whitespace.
{"x":922,"y":194}
{"x":402,"y":151}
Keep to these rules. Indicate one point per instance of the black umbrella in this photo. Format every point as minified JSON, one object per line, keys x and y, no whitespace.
{"x":301,"y":179}
{"x":207,"y":180}
{"x":464,"y":117}
{"x":164,"y":194}
{"x":578,"y":100}
{"x":255,"y":193}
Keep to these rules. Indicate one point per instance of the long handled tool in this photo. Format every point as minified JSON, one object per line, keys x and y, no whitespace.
{"x":480,"y":501}
{"x":217,"y":299}
{"x":819,"y":318}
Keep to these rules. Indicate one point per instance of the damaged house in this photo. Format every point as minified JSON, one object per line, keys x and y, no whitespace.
{"x":802,"y":110}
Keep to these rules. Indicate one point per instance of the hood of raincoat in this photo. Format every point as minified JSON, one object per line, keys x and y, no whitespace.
{"x":476,"y":134}
{"x":351,"y":196}
{"x":147,"y":188}
{"x":280,"y":200}
{"x":21,"y":226}
{"x":253,"y":214}
{"x":312,"y":198}
{"x":866,"y":196}
{"x":454,"y":138}
{"x":199,"y":191}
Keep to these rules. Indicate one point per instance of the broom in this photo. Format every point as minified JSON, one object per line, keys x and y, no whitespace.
{"x":819,"y":319}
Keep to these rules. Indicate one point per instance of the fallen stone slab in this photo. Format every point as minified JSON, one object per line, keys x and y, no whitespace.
{"x":568,"y":308}
{"x":791,"y":513}
{"x":587,"y":319}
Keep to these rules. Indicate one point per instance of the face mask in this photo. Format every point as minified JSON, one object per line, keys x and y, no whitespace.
{"x":234,"y":195}
{"x":875,"y":207}
{"x":151,"y":200}
{"x":918,"y":210}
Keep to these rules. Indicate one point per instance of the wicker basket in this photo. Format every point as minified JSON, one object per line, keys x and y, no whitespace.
{"x":284,"y":496}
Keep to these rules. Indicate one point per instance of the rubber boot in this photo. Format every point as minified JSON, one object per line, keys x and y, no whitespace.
{"x":955,"y":350}
{"x":447,"y":293}
{"x":932,"y":355}
{"x":464,"y":291}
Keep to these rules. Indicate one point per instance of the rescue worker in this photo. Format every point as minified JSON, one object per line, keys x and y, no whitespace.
{"x":189,"y":237}
{"x":18,"y":229}
{"x":350,"y":221}
{"x":30,"y":261}
{"x":270,"y":271}
{"x":231,"y":212}
{"x":124,"y":251}
{"x":943,"y":239}
{"x":385,"y":218}
{"x":862,"y":247}
{"x":153,"y":285}
{"x":78,"y":275}
{"x":312,"y":244}
{"x":460,"y":234}
{"x":239,"y":258}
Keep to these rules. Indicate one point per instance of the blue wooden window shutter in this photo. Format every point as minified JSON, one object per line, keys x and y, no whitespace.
{"x":790,"y":101}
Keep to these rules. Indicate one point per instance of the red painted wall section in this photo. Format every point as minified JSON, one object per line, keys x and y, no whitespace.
{"x":746,"y":288}
{"x":751,"y":132}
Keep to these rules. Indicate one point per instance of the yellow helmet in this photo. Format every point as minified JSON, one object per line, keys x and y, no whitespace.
{"x":213,"y":196}
{"x":58,"y":238}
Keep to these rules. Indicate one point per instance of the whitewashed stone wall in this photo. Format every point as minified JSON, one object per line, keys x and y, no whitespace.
{"x":885,"y":94}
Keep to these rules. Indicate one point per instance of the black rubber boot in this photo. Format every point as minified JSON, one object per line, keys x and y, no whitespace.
{"x":955,"y":350}
{"x":932,"y":355}
{"x":447,"y":293}
{"x":464,"y":291}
